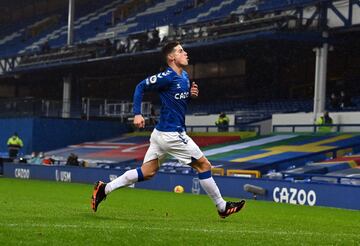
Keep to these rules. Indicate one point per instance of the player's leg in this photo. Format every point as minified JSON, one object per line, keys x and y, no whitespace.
{"x":187,"y":152}
{"x":101,"y":189}
{"x":145,"y":172}
{"x":203,"y":167}
{"x":183,"y":148}
{"x":149,"y":168}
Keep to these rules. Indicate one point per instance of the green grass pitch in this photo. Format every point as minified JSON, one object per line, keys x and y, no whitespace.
{"x":51,"y":213}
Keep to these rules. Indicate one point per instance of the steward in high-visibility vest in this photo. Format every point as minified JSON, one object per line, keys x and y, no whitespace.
{"x":324,"y":122}
{"x":222,"y":123}
{"x":14,"y":144}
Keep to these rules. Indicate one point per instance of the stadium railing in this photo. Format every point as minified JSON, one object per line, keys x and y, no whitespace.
{"x":321,"y":178}
{"x":86,"y":109}
{"x":315,"y":128}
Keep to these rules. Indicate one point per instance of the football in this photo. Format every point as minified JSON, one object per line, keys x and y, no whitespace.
{"x":179,"y":189}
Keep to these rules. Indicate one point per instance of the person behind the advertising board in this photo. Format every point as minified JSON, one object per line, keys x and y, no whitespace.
{"x":14,"y":144}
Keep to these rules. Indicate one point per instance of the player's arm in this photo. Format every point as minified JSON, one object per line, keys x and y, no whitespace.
{"x":154,"y":82}
{"x":139,"y":121}
{"x":194,"y":90}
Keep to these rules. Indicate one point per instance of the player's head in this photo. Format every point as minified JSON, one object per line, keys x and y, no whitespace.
{"x":174,"y":53}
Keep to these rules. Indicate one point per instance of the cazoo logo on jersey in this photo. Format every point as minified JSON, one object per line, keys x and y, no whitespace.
{"x":294,"y":196}
{"x":182,"y":95}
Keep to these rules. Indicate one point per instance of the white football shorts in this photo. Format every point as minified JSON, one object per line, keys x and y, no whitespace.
{"x":178,"y":145}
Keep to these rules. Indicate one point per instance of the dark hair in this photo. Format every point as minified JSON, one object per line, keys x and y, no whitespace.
{"x":168,"y":48}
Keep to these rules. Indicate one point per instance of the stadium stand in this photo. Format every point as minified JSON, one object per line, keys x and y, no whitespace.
{"x":95,"y":22}
{"x":126,"y":148}
{"x":84,"y":23}
{"x":21,"y":41}
{"x":279,"y":156}
{"x":278,"y":4}
{"x":296,"y":153}
{"x":337,"y":170}
{"x":320,"y":168}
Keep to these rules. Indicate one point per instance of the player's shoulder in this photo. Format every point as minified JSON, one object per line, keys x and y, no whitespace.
{"x":185,"y":74}
{"x":167,"y":75}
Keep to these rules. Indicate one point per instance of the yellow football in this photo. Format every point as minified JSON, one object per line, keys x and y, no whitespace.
{"x":179,"y":189}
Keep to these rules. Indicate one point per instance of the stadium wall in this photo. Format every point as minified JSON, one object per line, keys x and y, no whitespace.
{"x":265,"y":126}
{"x":311,"y":194}
{"x":209,"y":120}
{"x":44,"y":134}
{"x":206,"y":120}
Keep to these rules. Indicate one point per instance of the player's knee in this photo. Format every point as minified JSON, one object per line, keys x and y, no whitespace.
{"x":149,"y":169}
{"x":202,"y":165}
{"x":149,"y":174}
{"x":206,"y":166}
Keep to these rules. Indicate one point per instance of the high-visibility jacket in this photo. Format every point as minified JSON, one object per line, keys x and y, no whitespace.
{"x":223,"y":124}
{"x":14,"y":142}
{"x":324,"y":128}
{"x":222,"y":121}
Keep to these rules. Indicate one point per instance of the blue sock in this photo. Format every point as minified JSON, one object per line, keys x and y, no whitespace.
{"x":205,"y":175}
{"x":140,"y":174}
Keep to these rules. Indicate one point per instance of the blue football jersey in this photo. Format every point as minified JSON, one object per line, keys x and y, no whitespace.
{"x":174,"y":91}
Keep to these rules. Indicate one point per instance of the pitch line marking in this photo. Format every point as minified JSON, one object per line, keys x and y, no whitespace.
{"x":332,"y":234}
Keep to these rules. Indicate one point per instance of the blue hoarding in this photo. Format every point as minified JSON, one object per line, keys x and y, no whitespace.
{"x":311,"y":194}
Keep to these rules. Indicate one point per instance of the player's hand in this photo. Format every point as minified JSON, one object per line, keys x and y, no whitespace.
{"x":194,"y":90}
{"x":139,"y":121}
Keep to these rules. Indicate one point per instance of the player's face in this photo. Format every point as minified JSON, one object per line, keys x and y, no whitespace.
{"x":180,"y":56}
